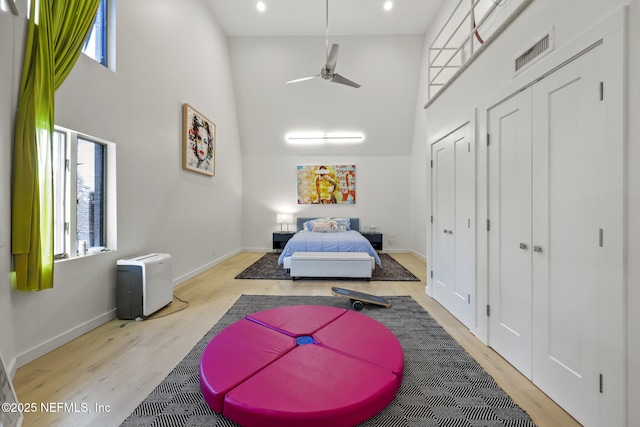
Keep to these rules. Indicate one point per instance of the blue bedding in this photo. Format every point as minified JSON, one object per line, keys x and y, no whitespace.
{"x":344,"y":241}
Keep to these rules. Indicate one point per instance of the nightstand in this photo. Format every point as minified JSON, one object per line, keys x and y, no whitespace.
{"x":375,"y":239}
{"x":280,"y":239}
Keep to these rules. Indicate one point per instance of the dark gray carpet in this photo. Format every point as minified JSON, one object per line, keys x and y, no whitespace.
{"x":442,"y":386}
{"x":267,"y":268}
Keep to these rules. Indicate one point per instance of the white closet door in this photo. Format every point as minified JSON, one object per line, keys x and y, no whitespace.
{"x":509,"y":203}
{"x":443,"y":155}
{"x":453,"y":228}
{"x":567,"y":193}
{"x":464,"y":294}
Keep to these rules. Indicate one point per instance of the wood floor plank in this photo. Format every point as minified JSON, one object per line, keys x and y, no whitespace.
{"x":112,"y":368}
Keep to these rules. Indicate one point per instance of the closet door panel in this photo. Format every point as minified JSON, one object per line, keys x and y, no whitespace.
{"x":453,"y":192}
{"x":443,"y":199}
{"x":568,"y":176}
{"x":509,"y":201}
{"x":464,"y":230}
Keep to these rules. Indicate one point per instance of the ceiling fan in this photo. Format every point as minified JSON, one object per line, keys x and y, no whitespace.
{"x":328,"y":71}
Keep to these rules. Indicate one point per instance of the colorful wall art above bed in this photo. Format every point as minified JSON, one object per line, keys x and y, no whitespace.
{"x":325,"y":184}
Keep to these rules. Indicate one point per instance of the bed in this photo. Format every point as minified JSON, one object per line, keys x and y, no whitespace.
{"x":328,"y":236}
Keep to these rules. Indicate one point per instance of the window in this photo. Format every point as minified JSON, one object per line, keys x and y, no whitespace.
{"x":60,"y":194}
{"x":82,"y":167}
{"x":91,"y":197}
{"x":96,"y":45}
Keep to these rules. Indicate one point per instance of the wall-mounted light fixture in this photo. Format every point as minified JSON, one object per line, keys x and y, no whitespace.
{"x":317,"y":138}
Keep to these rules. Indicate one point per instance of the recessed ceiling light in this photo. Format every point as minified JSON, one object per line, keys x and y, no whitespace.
{"x":388,"y":5}
{"x":261,"y":6}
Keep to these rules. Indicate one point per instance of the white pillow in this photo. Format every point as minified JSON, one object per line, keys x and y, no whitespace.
{"x":323,"y":225}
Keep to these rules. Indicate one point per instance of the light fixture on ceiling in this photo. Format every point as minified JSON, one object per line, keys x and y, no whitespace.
{"x":328,"y":71}
{"x":388,"y":5}
{"x":317,"y":138}
{"x":261,"y":6}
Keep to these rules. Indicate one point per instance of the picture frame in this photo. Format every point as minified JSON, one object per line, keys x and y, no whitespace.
{"x":11,"y":413}
{"x":326,"y":184}
{"x":198,"y":142}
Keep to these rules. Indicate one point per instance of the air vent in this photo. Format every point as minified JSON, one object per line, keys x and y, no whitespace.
{"x":543,"y":46}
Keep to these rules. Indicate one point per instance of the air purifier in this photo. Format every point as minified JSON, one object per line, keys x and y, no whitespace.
{"x":144,"y":285}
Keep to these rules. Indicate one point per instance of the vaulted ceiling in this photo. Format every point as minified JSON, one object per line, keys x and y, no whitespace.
{"x":380,"y":50}
{"x":307,"y":17}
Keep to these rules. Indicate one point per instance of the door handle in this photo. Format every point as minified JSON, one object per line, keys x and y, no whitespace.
{"x":537,"y":249}
{"x":523,"y":246}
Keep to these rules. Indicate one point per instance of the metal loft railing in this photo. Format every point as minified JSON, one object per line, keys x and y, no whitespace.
{"x":464,"y":35}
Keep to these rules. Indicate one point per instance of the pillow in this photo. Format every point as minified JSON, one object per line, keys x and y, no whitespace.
{"x":344,"y":224}
{"x":320,"y":225}
{"x":325,"y":225}
{"x":308,"y":225}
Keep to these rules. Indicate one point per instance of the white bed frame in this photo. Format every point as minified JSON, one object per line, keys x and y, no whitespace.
{"x":330,"y":264}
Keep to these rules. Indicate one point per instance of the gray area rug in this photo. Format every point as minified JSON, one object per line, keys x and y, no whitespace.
{"x":442,"y":386}
{"x":267,"y":268}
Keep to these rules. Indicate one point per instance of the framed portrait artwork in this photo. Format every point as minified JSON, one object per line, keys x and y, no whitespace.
{"x":198,"y":142}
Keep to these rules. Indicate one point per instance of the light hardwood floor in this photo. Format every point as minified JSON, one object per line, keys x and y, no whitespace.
{"x":103,"y":375}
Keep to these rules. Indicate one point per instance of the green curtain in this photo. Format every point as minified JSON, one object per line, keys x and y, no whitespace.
{"x":54,"y":42}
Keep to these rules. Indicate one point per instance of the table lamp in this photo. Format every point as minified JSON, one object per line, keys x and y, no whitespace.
{"x":283,"y":218}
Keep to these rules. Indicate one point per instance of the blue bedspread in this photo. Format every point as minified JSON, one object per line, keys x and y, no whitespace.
{"x":344,"y":241}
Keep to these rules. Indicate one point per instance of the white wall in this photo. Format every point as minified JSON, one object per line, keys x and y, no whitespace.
{"x":168,"y":53}
{"x":420,"y":193}
{"x":383,"y":109}
{"x":387,"y":67}
{"x":491,"y":72}
{"x":383,"y":196}
{"x":11,"y":32}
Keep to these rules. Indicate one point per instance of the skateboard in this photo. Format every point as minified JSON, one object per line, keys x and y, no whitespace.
{"x":358,"y":299}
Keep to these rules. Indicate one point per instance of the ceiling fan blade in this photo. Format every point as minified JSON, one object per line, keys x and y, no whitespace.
{"x":327,"y":71}
{"x":337,"y":78}
{"x":302,"y":79}
{"x":332,"y":58}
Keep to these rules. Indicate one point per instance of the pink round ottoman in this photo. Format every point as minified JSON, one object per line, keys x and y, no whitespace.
{"x":302,"y":366}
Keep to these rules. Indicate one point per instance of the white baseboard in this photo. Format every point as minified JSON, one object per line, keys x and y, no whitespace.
{"x":203,"y":268}
{"x":65,"y":337}
{"x":419,"y":255}
{"x":399,"y":251}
